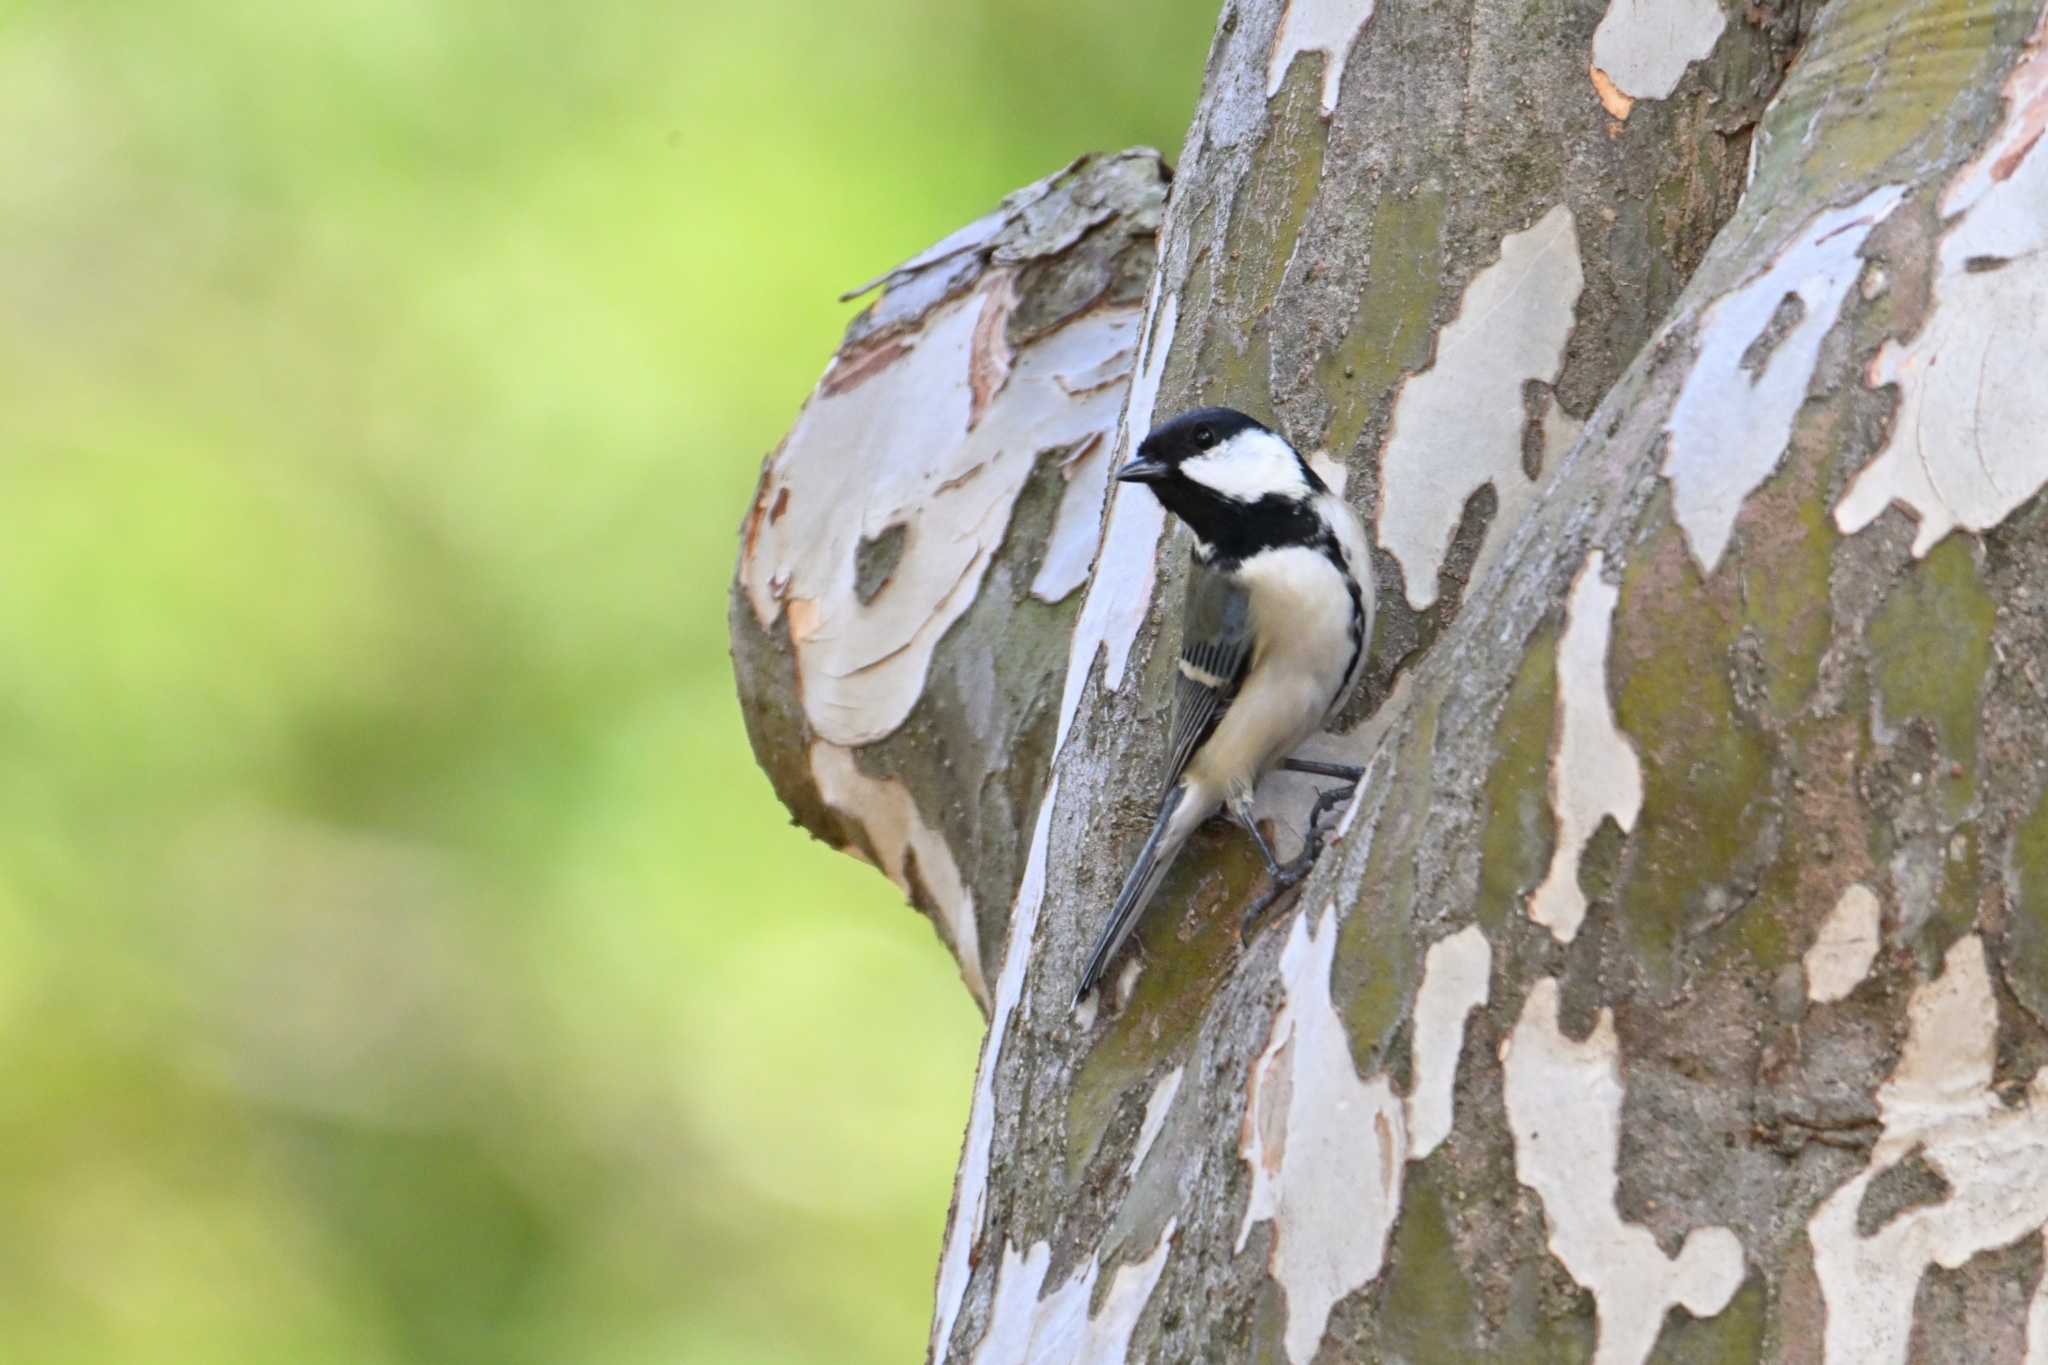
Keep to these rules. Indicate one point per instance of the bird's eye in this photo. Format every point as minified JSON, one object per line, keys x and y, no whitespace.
{"x":1205,"y":437}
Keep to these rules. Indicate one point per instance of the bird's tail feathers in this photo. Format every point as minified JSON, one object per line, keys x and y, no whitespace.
{"x":1177,"y":819}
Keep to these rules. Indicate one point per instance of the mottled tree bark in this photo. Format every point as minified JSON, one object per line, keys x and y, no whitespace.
{"x":1678,"y":985}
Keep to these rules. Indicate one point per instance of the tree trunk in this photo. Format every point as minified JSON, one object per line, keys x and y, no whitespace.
{"x":1678,"y":984}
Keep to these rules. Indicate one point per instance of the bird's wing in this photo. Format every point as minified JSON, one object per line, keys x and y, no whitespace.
{"x":1215,"y":654}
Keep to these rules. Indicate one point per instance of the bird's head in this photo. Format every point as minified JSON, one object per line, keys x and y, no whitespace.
{"x":1215,"y":467}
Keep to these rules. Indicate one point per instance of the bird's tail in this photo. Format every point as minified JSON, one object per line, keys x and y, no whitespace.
{"x":1179,"y":813}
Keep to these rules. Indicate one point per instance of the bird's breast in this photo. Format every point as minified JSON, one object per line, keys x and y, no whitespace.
{"x":1301,"y":614}
{"x":1301,"y":610}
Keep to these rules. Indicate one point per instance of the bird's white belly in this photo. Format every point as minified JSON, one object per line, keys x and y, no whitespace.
{"x":1301,"y":613}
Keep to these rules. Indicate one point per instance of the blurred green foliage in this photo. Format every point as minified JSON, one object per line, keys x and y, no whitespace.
{"x":400,"y":957}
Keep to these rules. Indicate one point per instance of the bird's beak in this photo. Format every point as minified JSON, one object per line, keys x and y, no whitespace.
{"x":1142,"y":471}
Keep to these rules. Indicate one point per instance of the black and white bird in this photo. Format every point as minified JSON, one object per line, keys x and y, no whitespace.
{"x":1275,"y":628}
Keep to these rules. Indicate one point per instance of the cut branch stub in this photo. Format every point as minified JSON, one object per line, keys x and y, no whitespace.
{"x":916,"y":542}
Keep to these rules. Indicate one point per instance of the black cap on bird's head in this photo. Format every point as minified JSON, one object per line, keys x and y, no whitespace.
{"x":1227,"y":475}
{"x":1191,"y":434}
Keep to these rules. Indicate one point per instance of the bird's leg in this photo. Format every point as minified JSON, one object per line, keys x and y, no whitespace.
{"x":1241,"y":811}
{"x":1344,"y":772}
{"x":1286,"y":876}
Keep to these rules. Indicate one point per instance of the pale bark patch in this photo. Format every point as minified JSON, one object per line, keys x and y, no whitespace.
{"x":1564,"y":1107}
{"x":1643,"y":47}
{"x":1845,"y":946}
{"x":1594,"y":772}
{"x":1939,"y":1102}
{"x":1454,"y":983}
{"x":1056,"y":1329}
{"x":1157,"y":1106}
{"x":1318,"y":1155}
{"x":1070,"y":547}
{"x":1326,"y":1149}
{"x":1326,"y":26}
{"x":1965,"y":449}
{"x":1733,"y":419}
{"x":940,"y":442}
{"x":989,"y":358}
{"x":1457,"y":425}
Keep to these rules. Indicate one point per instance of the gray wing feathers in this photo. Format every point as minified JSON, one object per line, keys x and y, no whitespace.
{"x":1216,"y":646}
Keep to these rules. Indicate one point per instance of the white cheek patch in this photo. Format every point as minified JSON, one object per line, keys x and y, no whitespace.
{"x":1247,"y":467}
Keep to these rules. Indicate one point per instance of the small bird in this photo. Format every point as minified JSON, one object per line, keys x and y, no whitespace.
{"x":1274,"y":632}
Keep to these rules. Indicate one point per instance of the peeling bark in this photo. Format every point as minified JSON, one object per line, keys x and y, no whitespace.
{"x":908,"y":574}
{"x":1686,"y":943}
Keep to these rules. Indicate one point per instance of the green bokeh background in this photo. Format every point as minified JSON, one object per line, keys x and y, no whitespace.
{"x":400,"y":957}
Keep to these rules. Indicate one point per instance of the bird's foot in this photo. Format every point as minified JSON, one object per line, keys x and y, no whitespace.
{"x":1284,"y":877}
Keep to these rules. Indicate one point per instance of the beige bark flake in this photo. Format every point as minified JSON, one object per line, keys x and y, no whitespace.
{"x":1733,"y":418}
{"x":1993,"y":1156}
{"x":858,"y":364}
{"x":1056,"y":1329}
{"x":903,"y":447}
{"x":1326,"y":26}
{"x":897,"y":831}
{"x":1965,"y":449}
{"x":1070,"y":547}
{"x":1845,"y":946}
{"x":1457,"y":425}
{"x":1454,"y":983}
{"x":989,"y":357}
{"x":1594,"y":772}
{"x":1327,"y":1151}
{"x":1564,"y":1108}
{"x":1644,"y":46}
{"x":1316,"y":1151}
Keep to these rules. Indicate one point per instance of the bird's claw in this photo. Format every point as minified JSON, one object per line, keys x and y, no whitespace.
{"x":1284,"y":877}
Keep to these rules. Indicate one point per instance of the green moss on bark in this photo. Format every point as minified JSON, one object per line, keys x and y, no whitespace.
{"x":1733,"y":1336}
{"x":1430,"y":1310}
{"x":1876,"y":81}
{"x":2026,"y":932}
{"x":1393,"y":331}
{"x":1183,"y":971}
{"x":1930,"y":646}
{"x":1706,"y":769}
{"x":1785,"y":601}
{"x":1373,"y":977}
{"x":1266,"y":217}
